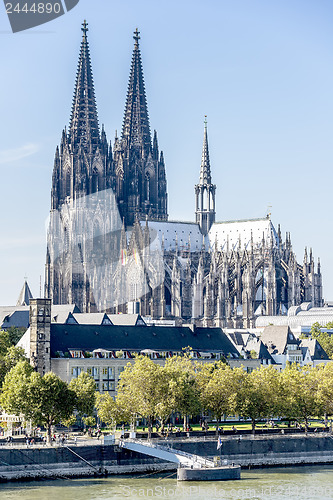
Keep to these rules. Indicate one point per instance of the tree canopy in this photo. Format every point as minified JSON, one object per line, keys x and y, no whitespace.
{"x":45,"y":400}
{"x":84,"y":388}
{"x":324,"y":339}
{"x":9,"y":354}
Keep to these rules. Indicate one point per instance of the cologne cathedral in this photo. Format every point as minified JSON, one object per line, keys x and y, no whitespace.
{"x":112,"y":248}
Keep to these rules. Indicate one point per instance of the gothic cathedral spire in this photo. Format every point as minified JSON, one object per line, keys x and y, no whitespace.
{"x":140,"y":180}
{"x":84,"y":128}
{"x":205,"y":190}
{"x":81,"y":165}
{"x":136,"y":129}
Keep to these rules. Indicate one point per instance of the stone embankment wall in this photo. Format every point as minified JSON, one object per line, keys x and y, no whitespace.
{"x":59,"y":462}
{"x":20,"y":463}
{"x":260,"y":451}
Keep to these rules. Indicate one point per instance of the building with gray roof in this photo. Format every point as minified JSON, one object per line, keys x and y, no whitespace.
{"x":104,"y":349}
{"x":284,"y":347}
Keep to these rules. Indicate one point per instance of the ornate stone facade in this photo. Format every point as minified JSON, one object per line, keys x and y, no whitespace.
{"x":111,"y":246}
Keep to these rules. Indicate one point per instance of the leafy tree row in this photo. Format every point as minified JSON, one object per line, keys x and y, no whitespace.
{"x":46,"y":400}
{"x":155,"y":392}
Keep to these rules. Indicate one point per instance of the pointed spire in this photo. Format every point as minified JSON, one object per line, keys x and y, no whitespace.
{"x":279,"y":234}
{"x":155,"y":146}
{"x":84,"y":126}
{"x":136,"y":129}
{"x":305,"y":260}
{"x":25,"y":295}
{"x":205,"y":174}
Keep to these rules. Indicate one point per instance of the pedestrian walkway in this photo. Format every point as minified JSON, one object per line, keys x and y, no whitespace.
{"x":166,"y":453}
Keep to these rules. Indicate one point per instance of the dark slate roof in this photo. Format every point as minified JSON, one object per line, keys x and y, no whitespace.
{"x":316,"y":351}
{"x":14,"y":316}
{"x":138,"y":338}
{"x":237,"y":338}
{"x":276,"y":338}
{"x":259,"y":347}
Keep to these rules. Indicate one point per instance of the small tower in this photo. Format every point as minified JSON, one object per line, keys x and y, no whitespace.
{"x":40,"y":332}
{"x":205,"y":191}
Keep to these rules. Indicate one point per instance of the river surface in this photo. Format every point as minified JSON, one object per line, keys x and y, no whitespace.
{"x":306,"y":483}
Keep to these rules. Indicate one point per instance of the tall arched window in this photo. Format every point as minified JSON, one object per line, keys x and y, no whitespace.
{"x":94,"y":182}
{"x":68,"y":183}
{"x":147,"y":186}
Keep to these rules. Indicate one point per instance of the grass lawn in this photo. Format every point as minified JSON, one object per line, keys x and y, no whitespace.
{"x":227,"y":426}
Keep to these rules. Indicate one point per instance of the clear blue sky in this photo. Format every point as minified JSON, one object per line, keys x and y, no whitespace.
{"x":261,"y":70}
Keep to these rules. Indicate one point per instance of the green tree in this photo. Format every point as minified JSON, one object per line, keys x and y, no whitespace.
{"x":89,"y":421}
{"x":138,"y":390}
{"x":15,"y":334}
{"x":9,"y":354}
{"x":68,"y":422}
{"x":324,"y":393}
{"x":259,"y":394}
{"x":84,"y":388}
{"x":300,"y":392}
{"x":15,"y":389}
{"x":218,"y":385}
{"x":108,"y":411}
{"x":183,"y":389}
{"x":324,"y":339}
{"x":45,"y":400}
{"x":8,"y":360}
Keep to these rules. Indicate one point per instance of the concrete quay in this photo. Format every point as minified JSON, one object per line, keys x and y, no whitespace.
{"x":19,"y":463}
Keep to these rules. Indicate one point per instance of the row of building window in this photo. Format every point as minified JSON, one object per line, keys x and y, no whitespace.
{"x":107,"y":373}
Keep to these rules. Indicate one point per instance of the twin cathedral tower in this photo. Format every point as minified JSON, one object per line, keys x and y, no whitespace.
{"x":110,"y":244}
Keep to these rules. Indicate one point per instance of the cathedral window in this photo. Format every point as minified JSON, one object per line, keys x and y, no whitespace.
{"x":147,"y":186}
{"x":94,"y":183}
{"x":66,"y":239}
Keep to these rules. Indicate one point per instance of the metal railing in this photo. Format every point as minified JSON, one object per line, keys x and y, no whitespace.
{"x":192,"y":459}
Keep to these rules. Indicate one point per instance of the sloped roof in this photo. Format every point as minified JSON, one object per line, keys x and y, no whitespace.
{"x":241,"y":231}
{"x":276,"y":338}
{"x":315,"y":349}
{"x":25,"y":295}
{"x":126,"y":319}
{"x":91,"y":318}
{"x":60,"y":312}
{"x":138,"y":338}
{"x":259,"y":347}
{"x":178,"y":233}
{"x":14,"y":316}
{"x":236,"y":338}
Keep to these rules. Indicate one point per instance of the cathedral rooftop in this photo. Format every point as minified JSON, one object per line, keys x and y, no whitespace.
{"x":240,"y":233}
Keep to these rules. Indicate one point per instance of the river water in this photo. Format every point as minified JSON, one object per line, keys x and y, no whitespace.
{"x":305,"y":483}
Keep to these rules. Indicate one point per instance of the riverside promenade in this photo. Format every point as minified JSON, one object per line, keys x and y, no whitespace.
{"x":93,"y":457}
